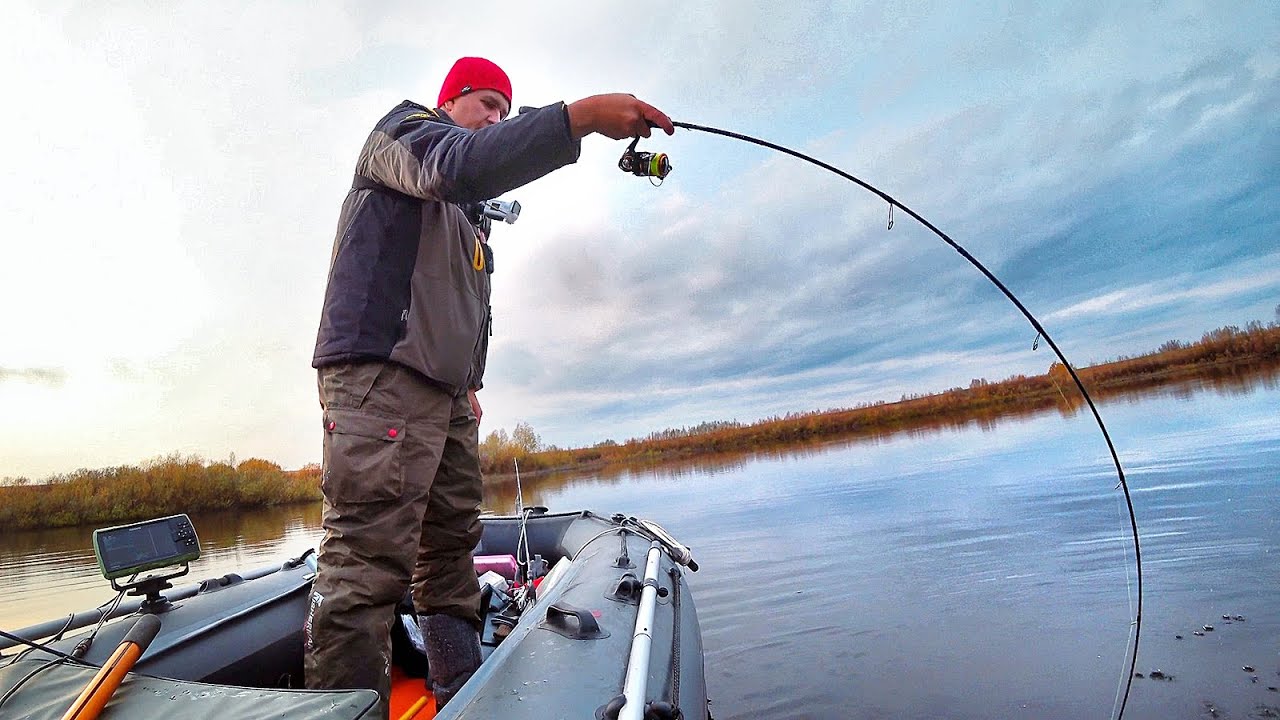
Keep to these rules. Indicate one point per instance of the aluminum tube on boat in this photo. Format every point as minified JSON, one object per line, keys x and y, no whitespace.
{"x":635,"y":685}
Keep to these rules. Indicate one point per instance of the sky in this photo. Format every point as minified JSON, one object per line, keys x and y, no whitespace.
{"x":173,"y":173}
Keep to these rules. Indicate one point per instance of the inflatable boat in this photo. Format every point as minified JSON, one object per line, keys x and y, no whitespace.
{"x":585,"y":616}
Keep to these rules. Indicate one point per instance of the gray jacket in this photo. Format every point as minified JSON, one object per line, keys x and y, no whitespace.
{"x":408,"y":279}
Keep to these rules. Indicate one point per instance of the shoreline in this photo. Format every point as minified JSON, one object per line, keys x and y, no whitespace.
{"x":188,"y":484}
{"x":799,"y":438}
{"x":1223,"y":354}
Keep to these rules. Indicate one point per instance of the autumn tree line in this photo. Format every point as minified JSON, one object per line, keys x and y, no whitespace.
{"x":983,"y":400}
{"x":155,"y":488}
{"x":190,"y":484}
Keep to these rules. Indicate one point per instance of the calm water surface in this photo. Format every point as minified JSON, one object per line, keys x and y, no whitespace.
{"x":981,"y":572}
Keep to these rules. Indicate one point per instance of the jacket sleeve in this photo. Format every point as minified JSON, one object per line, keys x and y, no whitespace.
{"x":415,"y":154}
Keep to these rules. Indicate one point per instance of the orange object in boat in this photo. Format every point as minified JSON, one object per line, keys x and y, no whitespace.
{"x":406,"y":693}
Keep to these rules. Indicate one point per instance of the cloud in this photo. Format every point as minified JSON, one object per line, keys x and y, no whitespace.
{"x":178,"y":176}
{"x":787,"y":271}
{"x":1174,"y":291}
{"x":49,"y":376}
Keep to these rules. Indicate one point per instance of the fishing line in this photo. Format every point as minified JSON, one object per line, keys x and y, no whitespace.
{"x":661,"y":166}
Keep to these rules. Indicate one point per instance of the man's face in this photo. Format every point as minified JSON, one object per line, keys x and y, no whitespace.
{"x":478,"y":109}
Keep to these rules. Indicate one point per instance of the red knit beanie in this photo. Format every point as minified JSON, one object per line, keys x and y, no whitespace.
{"x":470,"y":74}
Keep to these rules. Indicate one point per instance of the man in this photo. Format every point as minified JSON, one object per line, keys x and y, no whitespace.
{"x":400,"y":355}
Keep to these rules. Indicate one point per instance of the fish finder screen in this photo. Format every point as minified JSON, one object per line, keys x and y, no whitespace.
{"x":133,"y":546}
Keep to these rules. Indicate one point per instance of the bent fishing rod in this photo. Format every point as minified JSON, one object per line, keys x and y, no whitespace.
{"x":658,"y":166}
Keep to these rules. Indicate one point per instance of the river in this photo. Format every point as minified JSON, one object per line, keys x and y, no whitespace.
{"x":976,"y":572}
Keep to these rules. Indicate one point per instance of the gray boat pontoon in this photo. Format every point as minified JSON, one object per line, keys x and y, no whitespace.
{"x":609,"y":630}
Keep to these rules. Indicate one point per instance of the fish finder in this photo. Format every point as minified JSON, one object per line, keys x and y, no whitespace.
{"x":127,"y":550}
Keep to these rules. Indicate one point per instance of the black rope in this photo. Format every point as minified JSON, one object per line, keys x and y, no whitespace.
{"x":674,"y":572}
{"x":32,"y":647}
{"x":39,"y":669}
{"x":1115,"y":458}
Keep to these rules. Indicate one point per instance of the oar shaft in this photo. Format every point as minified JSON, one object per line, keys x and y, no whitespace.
{"x":635,"y":683}
{"x":98,"y":692}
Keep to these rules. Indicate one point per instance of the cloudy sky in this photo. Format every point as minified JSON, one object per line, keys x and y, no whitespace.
{"x":173,"y":173}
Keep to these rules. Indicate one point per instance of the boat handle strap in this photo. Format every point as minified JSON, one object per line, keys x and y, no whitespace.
{"x":574,"y":622}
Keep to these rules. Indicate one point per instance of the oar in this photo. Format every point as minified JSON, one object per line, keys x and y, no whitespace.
{"x":98,"y":692}
{"x":636,"y":679}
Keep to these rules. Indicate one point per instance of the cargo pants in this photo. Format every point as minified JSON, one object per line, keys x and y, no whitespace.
{"x":402,"y":492}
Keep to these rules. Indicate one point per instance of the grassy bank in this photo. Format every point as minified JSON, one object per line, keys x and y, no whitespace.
{"x":160,"y":487}
{"x":189,"y":484}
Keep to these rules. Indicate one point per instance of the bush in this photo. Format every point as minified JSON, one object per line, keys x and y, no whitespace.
{"x":164,"y":486}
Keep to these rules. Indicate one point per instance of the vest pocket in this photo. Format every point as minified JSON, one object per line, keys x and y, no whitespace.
{"x":361,"y":457}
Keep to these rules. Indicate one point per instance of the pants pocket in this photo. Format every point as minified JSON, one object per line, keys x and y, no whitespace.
{"x":362,"y":461}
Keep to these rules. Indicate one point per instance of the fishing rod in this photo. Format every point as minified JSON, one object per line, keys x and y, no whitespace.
{"x":658,"y":165}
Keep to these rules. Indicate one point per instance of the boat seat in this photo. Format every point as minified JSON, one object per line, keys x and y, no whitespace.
{"x":48,"y":694}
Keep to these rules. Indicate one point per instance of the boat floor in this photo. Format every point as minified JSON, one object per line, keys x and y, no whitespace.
{"x":406,"y":691}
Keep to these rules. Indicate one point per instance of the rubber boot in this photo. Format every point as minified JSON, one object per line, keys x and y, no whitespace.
{"x":453,"y":653}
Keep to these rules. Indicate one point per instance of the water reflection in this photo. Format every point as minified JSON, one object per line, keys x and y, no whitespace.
{"x":1232,"y":381}
{"x":250,"y":529}
{"x":51,"y":572}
